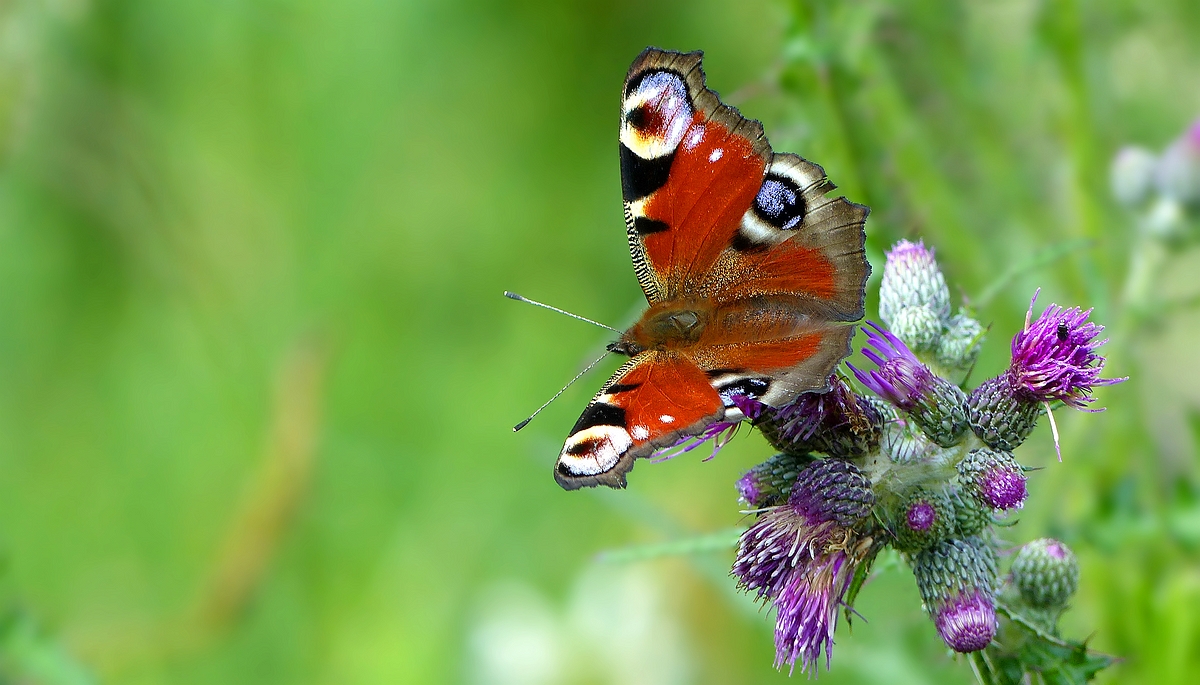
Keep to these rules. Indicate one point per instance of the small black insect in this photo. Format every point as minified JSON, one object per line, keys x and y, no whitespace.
{"x":1062,"y":330}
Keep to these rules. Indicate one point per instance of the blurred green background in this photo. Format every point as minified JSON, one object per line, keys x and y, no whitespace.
{"x":257,"y":379}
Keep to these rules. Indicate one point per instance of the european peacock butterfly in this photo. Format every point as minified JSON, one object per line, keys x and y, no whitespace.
{"x":752,"y":274}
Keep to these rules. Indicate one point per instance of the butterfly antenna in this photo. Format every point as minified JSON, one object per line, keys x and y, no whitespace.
{"x":521,"y":298}
{"x":524,"y":423}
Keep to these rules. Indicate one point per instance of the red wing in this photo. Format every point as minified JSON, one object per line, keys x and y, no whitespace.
{"x":651,"y":402}
{"x":690,"y":169}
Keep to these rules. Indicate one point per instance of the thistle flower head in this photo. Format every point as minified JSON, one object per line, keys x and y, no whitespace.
{"x":1054,"y":358}
{"x":968,"y":623}
{"x":801,"y":556}
{"x":1046,"y":573}
{"x":994,"y":477}
{"x":925,"y":518}
{"x":956,"y":580}
{"x":900,"y":378}
{"x":936,"y":405}
{"x":838,"y":423}
{"x":832,"y":490}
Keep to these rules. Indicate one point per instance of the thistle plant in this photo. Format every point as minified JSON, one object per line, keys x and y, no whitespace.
{"x":1161,"y":191}
{"x":922,"y":465}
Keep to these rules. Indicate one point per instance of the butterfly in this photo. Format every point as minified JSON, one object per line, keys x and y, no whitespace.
{"x":751,"y":274}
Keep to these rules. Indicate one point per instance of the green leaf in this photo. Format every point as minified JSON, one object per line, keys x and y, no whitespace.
{"x":1030,"y":654}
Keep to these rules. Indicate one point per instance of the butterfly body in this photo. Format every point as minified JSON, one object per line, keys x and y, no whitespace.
{"x":750,"y":272}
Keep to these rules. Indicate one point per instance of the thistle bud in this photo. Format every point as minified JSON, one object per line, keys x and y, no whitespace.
{"x":956,"y":580}
{"x":959,"y":346}
{"x":832,"y":490}
{"x":998,"y":417}
{"x":936,"y":405}
{"x":769,"y":483}
{"x":918,"y":326}
{"x":925,"y":518}
{"x":1046,"y":573}
{"x":1178,"y":172}
{"x":911,"y":277}
{"x":970,"y":517}
{"x":1132,"y":175}
{"x":994,"y":478}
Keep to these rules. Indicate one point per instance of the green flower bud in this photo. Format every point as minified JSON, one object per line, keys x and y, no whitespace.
{"x":924,"y":519}
{"x":1046,"y":573}
{"x":770,"y":483}
{"x":918,"y":326}
{"x":1000,"y":419}
{"x":911,"y":277}
{"x":994,"y":477}
{"x":959,"y":346}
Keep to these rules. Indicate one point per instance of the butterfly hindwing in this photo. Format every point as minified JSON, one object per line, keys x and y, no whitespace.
{"x":775,"y":370}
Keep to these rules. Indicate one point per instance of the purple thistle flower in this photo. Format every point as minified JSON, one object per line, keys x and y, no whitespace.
{"x":968,"y":623}
{"x":920,"y":516}
{"x":936,"y":405}
{"x":749,"y":489}
{"x":1002,"y":489}
{"x":994,"y":477}
{"x":807,"y":607}
{"x":901,"y":378}
{"x":1054,"y":358}
{"x":801,"y":557}
{"x":838,"y":423}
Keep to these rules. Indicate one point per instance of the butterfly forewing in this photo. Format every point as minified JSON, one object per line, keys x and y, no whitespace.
{"x":649,"y":403}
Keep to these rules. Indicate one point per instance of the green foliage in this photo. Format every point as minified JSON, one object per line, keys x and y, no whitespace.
{"x":1027,"y":653}
{"x":257,"y":379}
